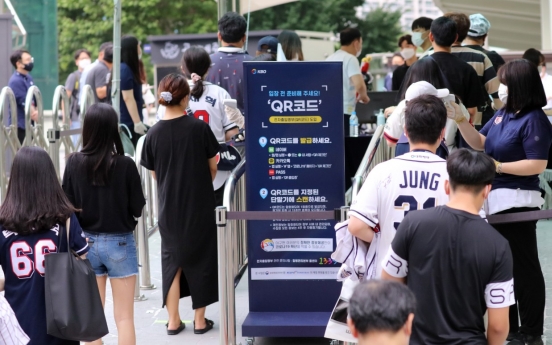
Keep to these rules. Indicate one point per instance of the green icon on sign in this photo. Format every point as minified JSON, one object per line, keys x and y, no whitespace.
{"x":271,"y":149}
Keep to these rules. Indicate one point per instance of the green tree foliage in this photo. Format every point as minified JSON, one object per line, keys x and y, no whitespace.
{"x":380,"y":28}
{"x":88,"y":23}
{"x":311,"y":15}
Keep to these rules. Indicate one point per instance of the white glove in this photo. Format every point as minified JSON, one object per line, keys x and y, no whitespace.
{"x":234,"y":115}
{"x":140,"y":128}
{"x":454,"y":112}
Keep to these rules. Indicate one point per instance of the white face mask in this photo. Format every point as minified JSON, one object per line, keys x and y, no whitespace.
{"x":503,"y":93}
{"x":408,"y":53}
{"x":417,"y":39}
{"x":84,"y":63}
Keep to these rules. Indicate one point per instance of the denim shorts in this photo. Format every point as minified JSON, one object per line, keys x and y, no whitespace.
{"x":113,"y":255}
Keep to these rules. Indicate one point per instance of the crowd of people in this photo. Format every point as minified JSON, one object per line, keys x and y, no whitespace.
{"x":470,"y":137}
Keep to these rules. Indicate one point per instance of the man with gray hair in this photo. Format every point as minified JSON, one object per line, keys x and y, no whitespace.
{"x":381,"y":312}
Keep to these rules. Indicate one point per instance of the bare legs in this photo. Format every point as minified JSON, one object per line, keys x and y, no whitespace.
{"x":123,"y":305}
{"x":173,"y":297}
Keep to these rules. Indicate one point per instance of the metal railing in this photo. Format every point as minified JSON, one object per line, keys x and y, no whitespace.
{"x":378,"y":151}
{"x":8,"y":137}
{"x":34,"y":130}
{"x":232,"y":252}
{"x":148,"y":222}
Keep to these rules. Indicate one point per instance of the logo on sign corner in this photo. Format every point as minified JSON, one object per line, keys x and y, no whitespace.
{"x":253,"y":71}
{"x":267,"y":245}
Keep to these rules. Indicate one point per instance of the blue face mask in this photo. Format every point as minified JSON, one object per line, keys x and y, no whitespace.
{"x":417,"y":39}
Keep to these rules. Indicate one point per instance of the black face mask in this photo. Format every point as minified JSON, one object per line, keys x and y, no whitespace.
{"x":28,"y":67}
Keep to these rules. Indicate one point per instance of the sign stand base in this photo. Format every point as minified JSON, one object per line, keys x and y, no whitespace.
{"x":285,"y":324}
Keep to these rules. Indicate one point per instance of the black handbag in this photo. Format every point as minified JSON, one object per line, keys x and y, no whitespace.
{"x":74,"y":309}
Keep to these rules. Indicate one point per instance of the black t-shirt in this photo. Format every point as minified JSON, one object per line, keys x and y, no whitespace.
{"x":461,"y":78}
{"x":178,"y":150}
{"x":110,"y":208}
{"x":457,"y":266}
{"x":398,"y":76}
{"x":495,"y":58}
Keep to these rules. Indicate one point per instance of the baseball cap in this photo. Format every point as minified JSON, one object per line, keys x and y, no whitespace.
{"x":424,"y":88}
{"x":479,"y":25}
{"x":271,"y":42}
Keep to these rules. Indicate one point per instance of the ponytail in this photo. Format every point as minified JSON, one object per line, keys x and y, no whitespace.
{"x":199,"y":87}
{"x":195,"y":64}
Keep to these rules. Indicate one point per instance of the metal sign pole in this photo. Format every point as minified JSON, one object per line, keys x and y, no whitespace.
{"x":116,"y":72}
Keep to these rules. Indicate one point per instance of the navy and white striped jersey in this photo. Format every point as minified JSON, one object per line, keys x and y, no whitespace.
{"x":22,"y":260}
{"x":409,"y":182}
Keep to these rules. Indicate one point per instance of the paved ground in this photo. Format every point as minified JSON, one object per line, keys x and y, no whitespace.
{"x":151,"y":319}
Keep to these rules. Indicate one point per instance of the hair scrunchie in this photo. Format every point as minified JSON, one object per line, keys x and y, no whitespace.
{"x":195,"y":77}
{"x":167,"y":96}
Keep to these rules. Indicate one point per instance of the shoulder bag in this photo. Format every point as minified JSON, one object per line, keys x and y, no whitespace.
{"x":74,"y":309}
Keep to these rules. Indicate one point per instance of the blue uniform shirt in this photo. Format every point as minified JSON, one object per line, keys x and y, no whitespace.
{"x":22,"y":260}
{"x":129,"y":83}
{"x":515,"y":137}
{"x":20,"y":84}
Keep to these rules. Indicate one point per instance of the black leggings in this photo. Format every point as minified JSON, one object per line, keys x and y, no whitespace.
{"x":528,"y":278}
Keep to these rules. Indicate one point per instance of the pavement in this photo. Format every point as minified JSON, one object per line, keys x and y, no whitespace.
{"x":150,"y":318}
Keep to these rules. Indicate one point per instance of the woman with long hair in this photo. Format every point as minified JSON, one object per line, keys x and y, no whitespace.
{"x":518,"y":138}
{"x":131,"y":88}
{"x":181,"y":150}
{"x":104,"y":183}
{"x":423,"y":70}
{"x":291,"y":45}
{"x":31,"y":215}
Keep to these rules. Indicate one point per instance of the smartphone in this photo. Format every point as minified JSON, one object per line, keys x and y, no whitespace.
{"x":232,"y":103}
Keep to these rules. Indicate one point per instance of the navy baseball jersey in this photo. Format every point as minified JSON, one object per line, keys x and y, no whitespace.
{"x":22,"y":260}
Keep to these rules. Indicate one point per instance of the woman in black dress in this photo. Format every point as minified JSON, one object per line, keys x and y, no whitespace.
{"x":180,"y":150}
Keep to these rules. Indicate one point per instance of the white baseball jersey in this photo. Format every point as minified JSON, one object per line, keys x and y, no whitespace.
{"x":210,"y":108}
{"x":413,"y":181}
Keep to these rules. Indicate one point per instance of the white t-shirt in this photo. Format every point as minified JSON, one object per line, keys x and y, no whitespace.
{"x":547,"y":84}
{"x":409,"y":182}
{"x":394,"y":126}
{"x":351,"y":67}
{"x":210,"y":109}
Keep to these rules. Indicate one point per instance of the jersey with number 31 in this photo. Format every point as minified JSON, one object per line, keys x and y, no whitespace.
{"x":22,"y":260}
{"x":410,"y":182}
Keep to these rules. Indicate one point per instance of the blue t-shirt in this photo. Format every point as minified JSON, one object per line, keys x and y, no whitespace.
{"x":22,"y":260}
{"x":515,"y":137}
{"x":20,"y":84}
{"x":129,"y":83}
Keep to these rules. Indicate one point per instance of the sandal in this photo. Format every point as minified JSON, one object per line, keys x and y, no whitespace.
{"x":208,"y":326}
{"x":176,"y":331}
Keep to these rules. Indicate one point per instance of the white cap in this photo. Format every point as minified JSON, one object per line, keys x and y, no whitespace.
{"x":424,"y":88}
